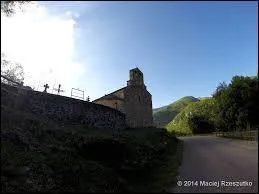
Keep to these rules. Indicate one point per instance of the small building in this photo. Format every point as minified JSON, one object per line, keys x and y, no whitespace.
{"x":133,"y":100}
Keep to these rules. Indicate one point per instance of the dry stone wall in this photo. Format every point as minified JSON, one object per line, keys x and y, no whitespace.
{"x":62,"y":109}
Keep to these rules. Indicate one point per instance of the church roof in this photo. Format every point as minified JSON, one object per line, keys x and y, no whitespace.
{"x":111,"y":96}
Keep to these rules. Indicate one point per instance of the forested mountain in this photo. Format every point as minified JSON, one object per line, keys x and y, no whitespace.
{"x":162,"y":116}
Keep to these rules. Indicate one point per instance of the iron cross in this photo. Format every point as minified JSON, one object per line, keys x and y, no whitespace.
{"x":46,"y":86}
{"x":59,"y":90}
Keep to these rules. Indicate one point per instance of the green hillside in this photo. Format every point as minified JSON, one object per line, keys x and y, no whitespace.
{"x":202,"y":110}
{"x":155,"y":110}
{"x":162,"y":116}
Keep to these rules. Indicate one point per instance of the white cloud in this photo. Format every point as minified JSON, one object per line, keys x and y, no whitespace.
{"x":44,"y":44}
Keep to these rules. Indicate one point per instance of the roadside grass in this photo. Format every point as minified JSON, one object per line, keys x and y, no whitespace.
{"x":41,"y":156}
{"x":178,"y":157}
{"x":173,"y":164}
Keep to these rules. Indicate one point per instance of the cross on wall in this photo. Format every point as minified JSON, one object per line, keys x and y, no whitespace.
{"x":59,"y":90}
{"x":46,"y":86}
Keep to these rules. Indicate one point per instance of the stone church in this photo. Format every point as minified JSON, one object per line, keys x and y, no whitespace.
{"x":133,"y":100}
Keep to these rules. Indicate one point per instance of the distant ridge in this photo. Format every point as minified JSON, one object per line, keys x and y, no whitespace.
{"x":163,"y":115}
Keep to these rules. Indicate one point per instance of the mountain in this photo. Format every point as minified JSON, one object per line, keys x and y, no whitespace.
{"x":155,"y":110}
{"x":163,"y":115}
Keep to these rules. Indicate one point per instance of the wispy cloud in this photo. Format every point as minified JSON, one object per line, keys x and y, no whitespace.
{"x":44,"y":44}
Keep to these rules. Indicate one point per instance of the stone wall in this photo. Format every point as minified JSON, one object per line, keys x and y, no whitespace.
{"x":62,"y":109}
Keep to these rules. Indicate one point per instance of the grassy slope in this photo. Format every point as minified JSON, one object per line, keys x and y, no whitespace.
{"x":162,"y":116}
{"x":179,"y":124}
{"x":38,"y":155}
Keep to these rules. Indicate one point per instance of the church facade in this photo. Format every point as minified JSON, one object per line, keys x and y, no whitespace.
{"x":133,"y":100}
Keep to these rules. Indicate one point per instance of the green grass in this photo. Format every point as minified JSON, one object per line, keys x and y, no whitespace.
{"x":173,"y":164}
{"x":41,"y":156}
{"x":178,"y":157}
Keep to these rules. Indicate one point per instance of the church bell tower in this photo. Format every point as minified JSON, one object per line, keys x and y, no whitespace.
{"x":136,"y":77}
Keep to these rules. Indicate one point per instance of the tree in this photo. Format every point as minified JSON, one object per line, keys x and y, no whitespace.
{"x":7,"y":7}
{"x":221,"y":88}
{"x":12,"y":71}
{"x":237,"y":104}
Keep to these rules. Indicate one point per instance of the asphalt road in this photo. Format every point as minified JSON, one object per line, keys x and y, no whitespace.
{"x":209,"y":160}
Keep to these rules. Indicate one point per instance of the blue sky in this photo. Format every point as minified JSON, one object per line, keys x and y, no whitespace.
{"x":183,"y":48}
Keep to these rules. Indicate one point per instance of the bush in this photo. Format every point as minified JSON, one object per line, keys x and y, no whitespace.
{"x":200,"y":124}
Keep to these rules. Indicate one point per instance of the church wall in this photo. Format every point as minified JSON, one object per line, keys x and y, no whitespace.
{"x":120,"y":94}
{"x":112,"y":103}
{"x":138,"y":106}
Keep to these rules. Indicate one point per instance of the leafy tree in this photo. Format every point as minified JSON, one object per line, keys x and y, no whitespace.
{"x":7,"y":7}
{"x":221,"y":88}
{"x":12,"y":71}
{"x":237,"y":104}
